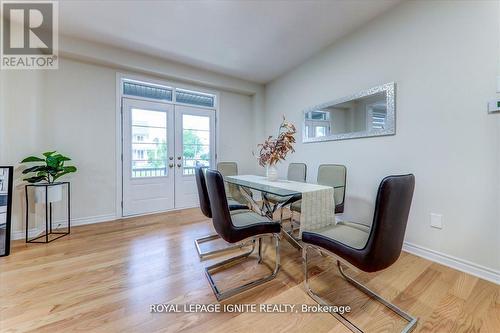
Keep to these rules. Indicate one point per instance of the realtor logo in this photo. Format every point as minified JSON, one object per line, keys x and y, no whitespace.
{"x":29,"y":35}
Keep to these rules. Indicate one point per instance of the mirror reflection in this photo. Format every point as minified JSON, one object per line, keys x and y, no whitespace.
{"x":366,"y":114}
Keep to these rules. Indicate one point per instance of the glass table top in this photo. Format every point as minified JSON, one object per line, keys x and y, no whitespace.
{"x":255,"y":183}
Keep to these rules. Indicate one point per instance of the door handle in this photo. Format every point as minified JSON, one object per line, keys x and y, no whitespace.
{"x":171,"y":158}
{"x":179,"y":158}
{"x":171,"y":165}
{"x":179,"y":165}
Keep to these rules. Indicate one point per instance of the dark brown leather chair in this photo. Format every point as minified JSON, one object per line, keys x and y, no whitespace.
{"x":368,"y":249}
{"x":201,"y":184}
{"x":247,"y":227}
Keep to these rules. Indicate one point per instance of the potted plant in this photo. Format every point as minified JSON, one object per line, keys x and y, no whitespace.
{"x":276,"y":149}
{"x":51,"y":168}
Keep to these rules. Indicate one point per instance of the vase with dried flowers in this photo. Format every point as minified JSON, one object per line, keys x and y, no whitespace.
{"x":276,"y":149}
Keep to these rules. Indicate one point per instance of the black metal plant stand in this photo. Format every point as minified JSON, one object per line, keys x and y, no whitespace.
{"x":48,"y":214}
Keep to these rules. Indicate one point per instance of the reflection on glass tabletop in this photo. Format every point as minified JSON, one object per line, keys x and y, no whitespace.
{"x":261,"y":184}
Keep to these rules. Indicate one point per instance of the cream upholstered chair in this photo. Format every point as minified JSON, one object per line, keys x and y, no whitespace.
{"x":296,"y":172}
{"x":234,"y":195}
{"x":333,"y":175}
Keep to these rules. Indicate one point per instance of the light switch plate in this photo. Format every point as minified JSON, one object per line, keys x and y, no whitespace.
{"x":437,"y":221}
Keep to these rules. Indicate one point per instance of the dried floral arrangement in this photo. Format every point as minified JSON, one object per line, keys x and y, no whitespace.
{"x":274,"y":150}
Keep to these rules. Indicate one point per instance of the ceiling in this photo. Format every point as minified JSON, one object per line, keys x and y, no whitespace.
{"x":252,"y":40}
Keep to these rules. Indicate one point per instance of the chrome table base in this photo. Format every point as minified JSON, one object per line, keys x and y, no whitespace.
{"x":268,"y":209}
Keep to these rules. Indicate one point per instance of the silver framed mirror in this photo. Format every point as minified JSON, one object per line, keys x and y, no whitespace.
{"x":369,"y":113}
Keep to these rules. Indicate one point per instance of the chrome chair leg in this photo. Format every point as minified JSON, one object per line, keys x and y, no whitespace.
{"x":412,"y":321}
{"x":221,"y":295}
{"x":201,"y":254}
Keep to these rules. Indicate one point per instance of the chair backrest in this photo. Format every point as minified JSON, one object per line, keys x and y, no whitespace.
{"x":201,"y":184}
{"x":228,"y":168}
{"x":392,"y":208}
{"x":334,"y":175}
{"x":218,"y":204}
{"x":297,"y":172}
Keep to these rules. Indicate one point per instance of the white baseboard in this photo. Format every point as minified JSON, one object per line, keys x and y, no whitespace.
{"x":92,"y":219}
{"x":20,"y":234}
{"x":453,"y":262}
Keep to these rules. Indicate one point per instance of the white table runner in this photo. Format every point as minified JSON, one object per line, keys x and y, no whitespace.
{"x":317,"y":205}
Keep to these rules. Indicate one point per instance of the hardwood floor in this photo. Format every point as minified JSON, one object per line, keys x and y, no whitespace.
{"x":103,"y":278}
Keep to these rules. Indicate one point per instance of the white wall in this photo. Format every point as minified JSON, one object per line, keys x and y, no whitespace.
{"x":236,"y":131}
{"x":443,"y":57}
{"x":20,"y":128}
{"x":73,"y":110}
{"x":79,"y":121}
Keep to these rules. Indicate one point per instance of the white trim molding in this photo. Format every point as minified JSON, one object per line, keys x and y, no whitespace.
{"x":20,"y":234}
{"x":92,"y":219}
{"x":462,"y":265}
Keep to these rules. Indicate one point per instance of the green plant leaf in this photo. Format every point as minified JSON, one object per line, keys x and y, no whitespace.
{"x":35,"y":168}
{"x":52,"y":169}
{"x":61,"y":174}
{"x":62,"y":158}
{"x":32,"y":159}
{"x":35,"y":179}
{"x":52,"y":161}
{"x":48,"y":153}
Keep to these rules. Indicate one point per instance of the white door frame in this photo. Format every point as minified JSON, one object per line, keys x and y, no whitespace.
{"x":120,"y":76}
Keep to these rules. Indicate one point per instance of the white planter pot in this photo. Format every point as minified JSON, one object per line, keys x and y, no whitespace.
{"x":272,"y":173}
{"x":54,"y":193}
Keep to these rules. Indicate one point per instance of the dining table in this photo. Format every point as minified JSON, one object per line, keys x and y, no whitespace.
{"x":317,"y":201}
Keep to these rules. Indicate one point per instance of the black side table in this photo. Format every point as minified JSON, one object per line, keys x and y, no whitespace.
{"x":48,"y":213}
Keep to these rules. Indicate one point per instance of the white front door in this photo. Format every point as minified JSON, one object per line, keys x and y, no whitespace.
{"x":194,"y":145}
{"x":148,"y":153}
{"x":162,"y":145}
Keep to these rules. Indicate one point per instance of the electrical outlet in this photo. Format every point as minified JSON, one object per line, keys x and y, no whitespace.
{"x":437,"y":221}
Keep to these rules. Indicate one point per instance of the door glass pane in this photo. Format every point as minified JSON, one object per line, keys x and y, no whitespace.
{"x":195,"y":142}
{"x":149,"y":143}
